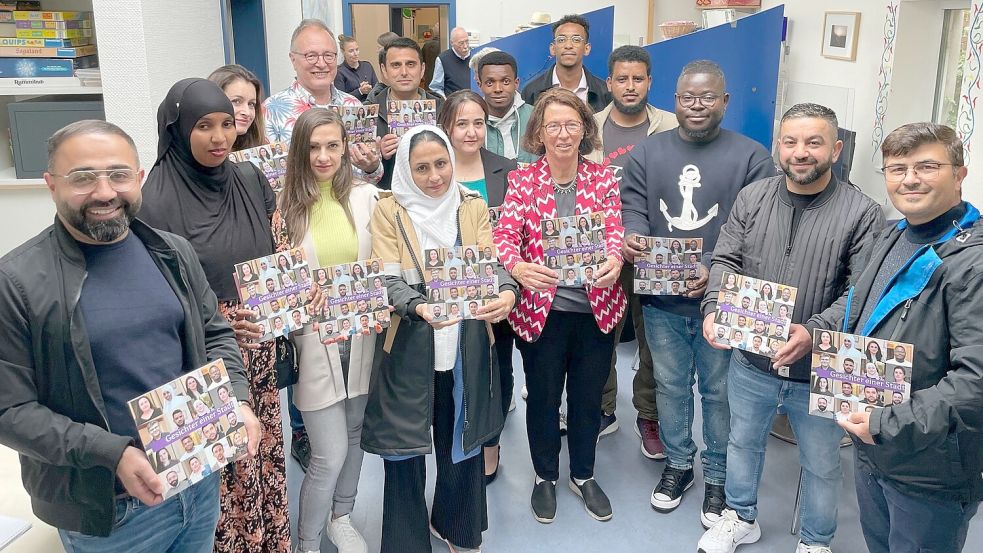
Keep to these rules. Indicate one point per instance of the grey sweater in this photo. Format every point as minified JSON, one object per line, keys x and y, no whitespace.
{"x":826,"y":252}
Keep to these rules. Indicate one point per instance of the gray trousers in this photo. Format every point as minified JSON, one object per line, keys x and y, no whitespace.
{"x":331,"y":481}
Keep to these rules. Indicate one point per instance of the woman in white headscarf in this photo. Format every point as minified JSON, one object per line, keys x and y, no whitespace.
{"x":433,"y":374}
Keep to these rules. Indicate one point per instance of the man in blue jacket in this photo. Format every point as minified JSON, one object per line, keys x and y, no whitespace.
{"x":919,"y":462}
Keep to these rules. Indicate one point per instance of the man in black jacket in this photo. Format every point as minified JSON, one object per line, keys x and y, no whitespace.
{"x":807,"y":230}
{"x":96,"y":310}
{"x":571,"y":42}
{"x":919,"y":462}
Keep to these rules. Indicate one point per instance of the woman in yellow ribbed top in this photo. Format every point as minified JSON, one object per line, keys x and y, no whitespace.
{"x":326,"y":211}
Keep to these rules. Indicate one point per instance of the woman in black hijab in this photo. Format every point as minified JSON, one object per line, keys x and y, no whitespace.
{"x":224,"y":210}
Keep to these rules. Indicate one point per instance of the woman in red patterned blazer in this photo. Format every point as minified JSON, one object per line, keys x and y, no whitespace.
{"x":565,"y":328}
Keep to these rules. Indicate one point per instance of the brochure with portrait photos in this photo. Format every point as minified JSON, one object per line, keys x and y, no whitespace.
{"x":357,"y":299}
{"x":494,"y":214}
{"x":575,"y":247}
{"x":360,"y":122}
{"x":406,"y":114}
{"x":190,"y":427}
{"x":460,"y":280}
{"x":671,"y":266}
{"x":853,"y":373}
{"x":753,"y":314}
{"x":277,"y":289}
{"x":271,"y":160}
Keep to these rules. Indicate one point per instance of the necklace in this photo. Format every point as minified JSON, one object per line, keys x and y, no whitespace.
{"x":566,"y":187}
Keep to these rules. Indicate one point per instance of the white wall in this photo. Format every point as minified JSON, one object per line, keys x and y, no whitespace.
{"x":282,"y":16}
{"x":498,"y":18}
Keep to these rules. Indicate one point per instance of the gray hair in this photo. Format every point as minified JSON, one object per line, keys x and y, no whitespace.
{"x":83,"y":127}
{"x":703,"y":67}
{"x":307,"y":24}
{"x":805,"y":109}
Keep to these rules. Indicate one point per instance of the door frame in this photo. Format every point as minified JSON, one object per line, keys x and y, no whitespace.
{"x":346,"y":10}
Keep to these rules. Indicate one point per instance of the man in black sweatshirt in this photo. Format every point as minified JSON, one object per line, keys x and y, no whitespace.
{"x":681,"y":183}
{"x":807,"y":230}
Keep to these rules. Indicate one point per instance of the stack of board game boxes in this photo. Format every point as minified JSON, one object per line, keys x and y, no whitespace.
{"x":39,"y":48}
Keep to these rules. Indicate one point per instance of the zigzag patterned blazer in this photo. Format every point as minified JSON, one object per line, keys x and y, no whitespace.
{"x":518,"y":238}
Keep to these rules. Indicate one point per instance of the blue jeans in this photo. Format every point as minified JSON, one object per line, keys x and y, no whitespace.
{"x":679,"y":355}
{"x":296,"y":418}
{"x":897,"y":522}
{"x":184,"y":523}
{"x":754,"y":400}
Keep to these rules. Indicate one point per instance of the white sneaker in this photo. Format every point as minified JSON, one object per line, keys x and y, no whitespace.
{"x":563,"y":422}
{"x":728,"y":532}
{"x":345,"y":537}
{"x":803,"y":548}
{"x":450,"y":546}
{"x":524,"y":392}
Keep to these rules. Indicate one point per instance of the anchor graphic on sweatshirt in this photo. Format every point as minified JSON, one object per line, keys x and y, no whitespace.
{"x":688,"y":218}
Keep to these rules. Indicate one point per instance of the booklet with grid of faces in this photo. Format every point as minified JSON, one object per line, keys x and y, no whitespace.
{"x":357,"y":299}
{"x":853,"y":373}
{"x":670,"y":267}
{"x":575,"y":247}
{"x":277,"y":289}
{"x":753,"y":314}
{"x":459,"y":280}
{"x":190,"y":427}
{"x":271,"y":160}
{"x":406,"y":114}
{"x":360,"y":122}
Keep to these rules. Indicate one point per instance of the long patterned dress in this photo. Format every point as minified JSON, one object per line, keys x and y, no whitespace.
{"x":254,"y":492}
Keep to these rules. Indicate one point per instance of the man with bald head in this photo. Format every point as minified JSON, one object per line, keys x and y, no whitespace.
{"x":97,"y":309}
{"x":451,"y":71}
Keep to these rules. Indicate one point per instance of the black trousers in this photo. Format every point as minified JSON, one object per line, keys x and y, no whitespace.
{"x":459,"y":510}
{"x":573,"y":349}
{"x":504,"y":342}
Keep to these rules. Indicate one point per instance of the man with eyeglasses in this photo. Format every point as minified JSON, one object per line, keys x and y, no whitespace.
{"x":627,"y":121}
{"x":807,"y":230}
{"x":404,"y":71}
{"x":919,"y":462}
{"x":95,"y":310}
{"x":571,"y":42}
{"x":682,"y":183}
{"x":451,"y":70}
{"x":314,"y":56}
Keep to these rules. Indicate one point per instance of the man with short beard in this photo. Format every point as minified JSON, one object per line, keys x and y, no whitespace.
{"x":626,"y":121}
{"x":807,"y":230}
{"x":96,"y":309}
{"x":681,"y":183}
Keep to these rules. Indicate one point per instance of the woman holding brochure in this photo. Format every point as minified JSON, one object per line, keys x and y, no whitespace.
{"x":433,"y":374}
{"x":325,"y":211}
{"x":463,"y":118}
{"x":566,"y":331}
{"x":223,"y":209}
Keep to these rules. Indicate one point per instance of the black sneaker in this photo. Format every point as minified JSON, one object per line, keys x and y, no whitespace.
{"x":609,"y":424}
{"x":544,"y":501}
{"x":300,"y":449}
{"x":666,"y":496}
{"x":714,"y":502}
{"x":597,"y":504}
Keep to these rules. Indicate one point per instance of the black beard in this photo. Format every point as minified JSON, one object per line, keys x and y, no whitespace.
{"x":812,"y":176}
{"x":628,"y":109}
{"x":698,"y":136}
{"x":102,"y":231}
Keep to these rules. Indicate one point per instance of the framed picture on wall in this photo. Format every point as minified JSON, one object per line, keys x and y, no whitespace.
{"x":840,"y":33}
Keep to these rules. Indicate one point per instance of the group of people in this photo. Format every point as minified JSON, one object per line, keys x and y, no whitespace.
{"x":130,"y":288}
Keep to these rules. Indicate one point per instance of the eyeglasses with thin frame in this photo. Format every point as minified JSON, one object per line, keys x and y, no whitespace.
{"x":572,"y":127}
{"x":575,"y":39}
{"x":689,"y":100}
{"x":313,"y":57}
{"x":923,"y":169}
{"x":85,"y":182}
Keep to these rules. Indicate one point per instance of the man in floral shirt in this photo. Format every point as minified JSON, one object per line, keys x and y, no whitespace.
{"x":314,"y":55}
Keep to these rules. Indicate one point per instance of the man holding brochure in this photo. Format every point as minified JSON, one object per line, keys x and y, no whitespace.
{"x":919,"y":461}
{"x":96,"y":310}
{"x":807,"y":230}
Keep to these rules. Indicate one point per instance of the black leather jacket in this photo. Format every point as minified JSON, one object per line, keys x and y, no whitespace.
{"x":51,"y":409}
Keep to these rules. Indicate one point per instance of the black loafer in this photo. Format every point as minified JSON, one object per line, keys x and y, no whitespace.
{"x":544,"y":501}
{"x":595,"y":501}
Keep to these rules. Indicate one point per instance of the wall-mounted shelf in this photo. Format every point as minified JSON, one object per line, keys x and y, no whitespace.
{"x":48,"y":90}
